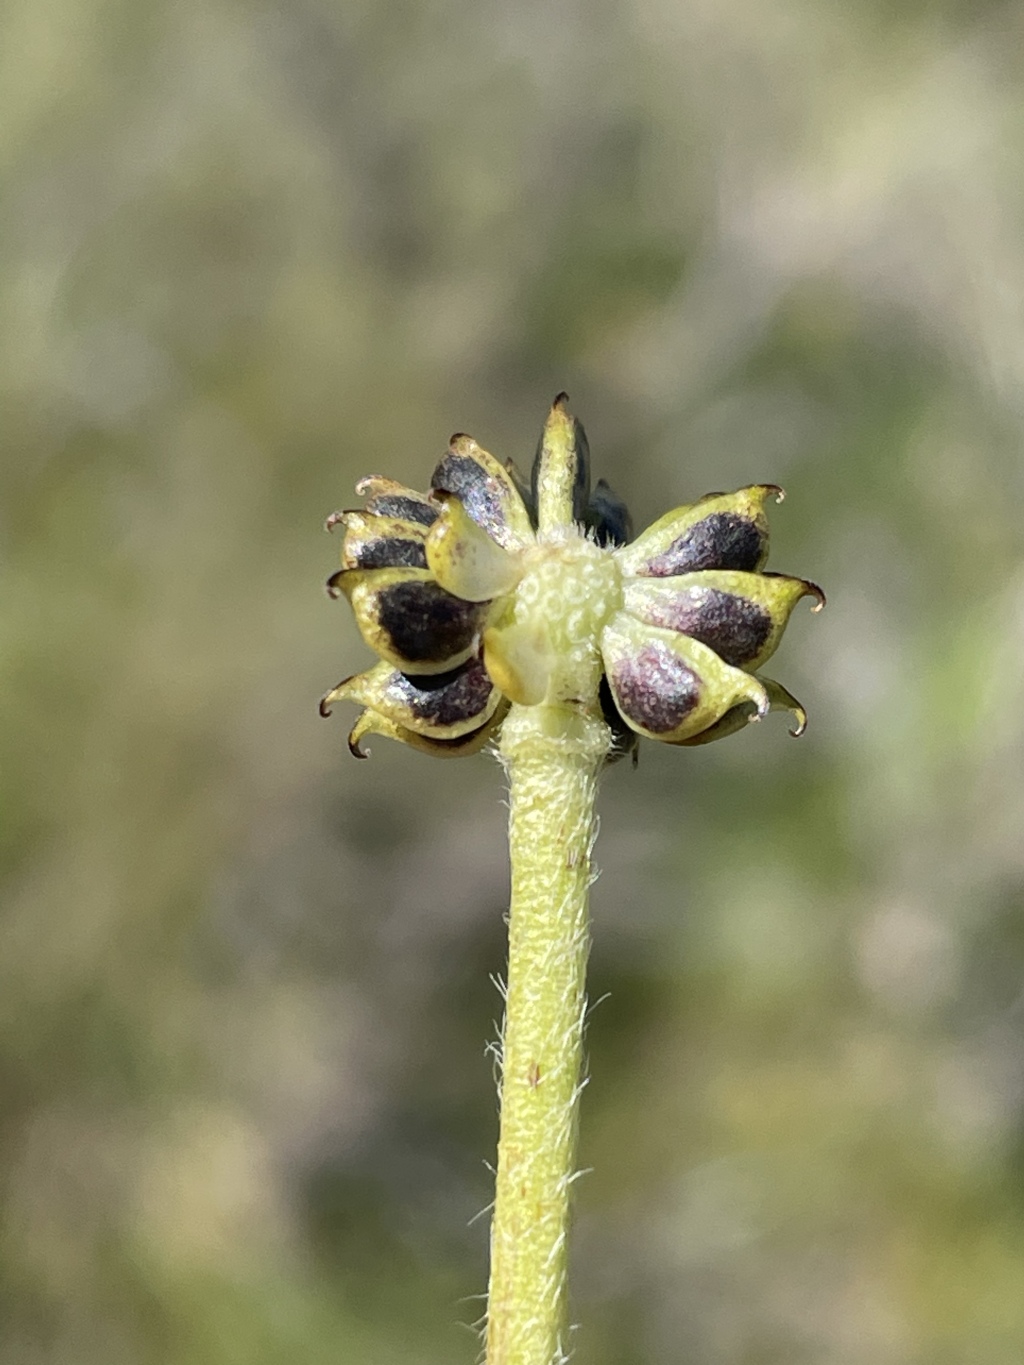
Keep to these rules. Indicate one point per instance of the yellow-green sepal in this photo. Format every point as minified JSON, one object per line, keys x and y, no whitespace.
{"x":668,"y":686}
{"x":409,"y":619}
{"x":519,"y":659}
{"x":722,"y":531}
{"x":741,"y":616}
{"x":445,"y":706}
{"x":372,"y":723}
{"x":465,"y":559}
{"x":740,"y":716}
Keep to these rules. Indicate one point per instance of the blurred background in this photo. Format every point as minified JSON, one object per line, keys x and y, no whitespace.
{"x":252,"y":252}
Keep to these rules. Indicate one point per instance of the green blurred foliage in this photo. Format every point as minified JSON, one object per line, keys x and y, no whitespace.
{"x":251,"y":253}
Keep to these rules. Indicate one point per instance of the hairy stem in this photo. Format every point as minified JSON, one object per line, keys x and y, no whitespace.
{"x":552,"y":754}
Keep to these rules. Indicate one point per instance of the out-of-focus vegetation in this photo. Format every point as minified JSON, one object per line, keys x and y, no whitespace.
{"x":249,"y":253}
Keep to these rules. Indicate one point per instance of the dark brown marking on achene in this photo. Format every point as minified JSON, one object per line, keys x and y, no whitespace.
{"x":655,"y":689}
{"x":391,"y":552}
{"x":608,"y":516}
{"x":723,"y":540}
{"x":444,"y":698}
{"x":403,"y":508}
{"x":481,"y":494}
{"x":533,"y":1075}
{"x":625,"y":740}
{"x":734,"y":627}
{"x":425,"y":624}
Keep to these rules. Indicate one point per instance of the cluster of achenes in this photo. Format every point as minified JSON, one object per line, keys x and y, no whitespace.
{"x":471,"y":607}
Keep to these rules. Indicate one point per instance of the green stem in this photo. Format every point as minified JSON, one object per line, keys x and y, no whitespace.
{"x":553,"y":754}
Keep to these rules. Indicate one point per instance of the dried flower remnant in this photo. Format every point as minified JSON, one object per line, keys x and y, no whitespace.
{"x":473,"y":602}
